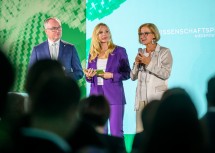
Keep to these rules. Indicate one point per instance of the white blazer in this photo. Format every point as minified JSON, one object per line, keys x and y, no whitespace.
{"x":152,"y":79}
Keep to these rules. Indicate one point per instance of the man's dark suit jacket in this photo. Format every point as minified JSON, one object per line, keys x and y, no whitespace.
{"x":67,"y":56}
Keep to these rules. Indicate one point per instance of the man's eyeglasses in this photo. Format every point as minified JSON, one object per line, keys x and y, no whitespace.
{"x":144,"y":33}
{"x":53,"y":29}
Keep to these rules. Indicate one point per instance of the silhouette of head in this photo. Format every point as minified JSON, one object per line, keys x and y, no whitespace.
{"x":210,"y":95}
{"x":7,"y":79}
{"x":55,"y":97}
{"x":176,"y":127}
{"x":40,"y":72}
{"x":95,"y":110}
{"x":148,"y":113}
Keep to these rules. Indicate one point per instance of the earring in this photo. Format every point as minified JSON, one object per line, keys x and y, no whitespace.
{"x":153,"y":41}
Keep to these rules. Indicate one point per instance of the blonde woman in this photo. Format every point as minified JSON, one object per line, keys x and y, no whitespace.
{"x":108,"y":67}
{"x":152,"y":68}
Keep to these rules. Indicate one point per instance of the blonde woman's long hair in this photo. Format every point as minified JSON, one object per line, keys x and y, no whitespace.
{"x":95,"y":47}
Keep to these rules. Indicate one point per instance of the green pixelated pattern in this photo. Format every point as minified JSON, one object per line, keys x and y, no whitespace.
{"x":99,"y":9}
{"x":21,"y":28}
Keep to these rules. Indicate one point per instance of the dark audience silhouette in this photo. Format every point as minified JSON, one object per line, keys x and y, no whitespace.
{"x":15,"y":107}
{"x":208,"y":119}
{"x":40,"y":72}
{"x":59,"y":122}
{"x":147,"y":116}
{"x":96,"y":110}
{"x":53,"y":117}
{"x":176,"y":127}
{"x":7,"y":79}
{"x":94,"y":113}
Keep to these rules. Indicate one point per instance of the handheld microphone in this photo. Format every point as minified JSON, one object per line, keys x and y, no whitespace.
{"x":140,"y":50}
{"x":141,"y":66}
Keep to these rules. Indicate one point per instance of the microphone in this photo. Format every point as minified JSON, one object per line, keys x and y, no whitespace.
{"x":140,"y":50}
{"x":141,"y":66}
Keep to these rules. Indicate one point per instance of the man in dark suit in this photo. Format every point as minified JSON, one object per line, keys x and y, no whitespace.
{"x":57,"y":49}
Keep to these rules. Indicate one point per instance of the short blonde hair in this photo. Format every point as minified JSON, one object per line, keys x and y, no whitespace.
{"x":153,"y":29}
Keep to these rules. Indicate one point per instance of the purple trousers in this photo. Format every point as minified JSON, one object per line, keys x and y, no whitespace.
{"x":116,"y":121}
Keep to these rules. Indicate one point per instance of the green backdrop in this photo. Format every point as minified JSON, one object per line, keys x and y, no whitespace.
{"x":21,"y":28}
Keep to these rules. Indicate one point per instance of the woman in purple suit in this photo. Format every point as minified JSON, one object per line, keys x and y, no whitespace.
{"x":108,"y":66}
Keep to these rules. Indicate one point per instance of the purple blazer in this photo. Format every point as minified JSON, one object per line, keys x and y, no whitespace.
{"x":113,"y":89}
{"x":68,"y":57}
